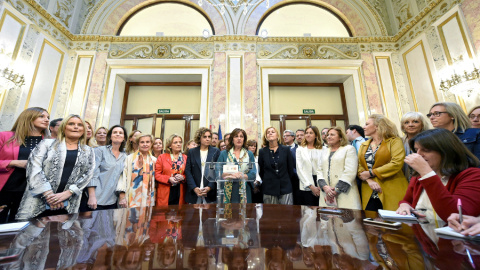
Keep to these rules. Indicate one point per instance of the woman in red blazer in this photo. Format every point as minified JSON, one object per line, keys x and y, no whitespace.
{"x":15,"y":147}
{"x":170,"y":173}
{"x":446,"y":171}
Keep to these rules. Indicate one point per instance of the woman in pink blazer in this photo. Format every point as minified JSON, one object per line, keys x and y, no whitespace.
{"x":15,"y":147}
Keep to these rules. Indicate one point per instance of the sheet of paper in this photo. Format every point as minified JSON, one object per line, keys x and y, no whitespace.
{"x":393,"y":215}
{"x":12,"y":227}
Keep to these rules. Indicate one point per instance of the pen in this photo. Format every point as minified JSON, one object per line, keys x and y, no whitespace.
{"x":459,"y":206}
{"x":470,"y":258}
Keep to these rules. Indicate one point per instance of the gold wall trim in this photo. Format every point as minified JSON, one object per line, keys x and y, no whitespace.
{"x":394,"y":87}
{"x":52,"y":97}
{"x":420,"y":43}
{"x":105,"y":92}
{"x":20,"y":34}
{"x":362,"y":91}
{"x":75,"y":80}
{"x":3,"y":94}
{"x":102,"y":38}
{"x":444,"y":41}
{"x":462,"y":104}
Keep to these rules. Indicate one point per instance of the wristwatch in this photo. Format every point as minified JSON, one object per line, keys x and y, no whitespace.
{"x":337,"y":190}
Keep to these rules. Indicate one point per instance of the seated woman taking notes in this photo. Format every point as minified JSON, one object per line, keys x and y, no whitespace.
{"x":446,"y":171}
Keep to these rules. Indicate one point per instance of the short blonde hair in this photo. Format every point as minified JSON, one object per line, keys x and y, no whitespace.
{"x":385,"y":127}
{"x":341,"y":134}
{"x":137,"y":140}
{"x":63,"y":125}
{"x":169,"y":142}
{"x":414,"y":116}
{"x":264,"y":138}
{"x":460,"y":119}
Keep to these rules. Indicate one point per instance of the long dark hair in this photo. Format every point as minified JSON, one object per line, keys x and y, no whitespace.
{"x":455,"y":156}
{"x":109,"y":136}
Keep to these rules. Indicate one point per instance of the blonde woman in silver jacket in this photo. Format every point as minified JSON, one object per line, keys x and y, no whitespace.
{"x":57,"y":172}
{"x":337,"y":171}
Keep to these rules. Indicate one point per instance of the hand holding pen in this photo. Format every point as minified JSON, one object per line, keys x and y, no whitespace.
{"x":469,"y":225}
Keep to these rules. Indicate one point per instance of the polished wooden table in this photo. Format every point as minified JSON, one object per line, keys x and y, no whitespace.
{"x":231,"y":237}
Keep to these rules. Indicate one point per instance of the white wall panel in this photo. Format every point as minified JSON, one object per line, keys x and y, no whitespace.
{"x":79,"y":90}
{"x":45,"y":79}
{"x":388,"y":89}
{"x":235,"y":92}
{"x":419,"y":76}
{"x":11,"y":33}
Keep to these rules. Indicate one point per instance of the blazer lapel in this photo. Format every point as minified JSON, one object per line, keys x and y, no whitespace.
{"x":197,"y":156}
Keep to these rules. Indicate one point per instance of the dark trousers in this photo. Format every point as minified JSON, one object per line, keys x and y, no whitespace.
{"x":106,"y":207}
{"x":307,"y":197}
{"x":11,"y":200}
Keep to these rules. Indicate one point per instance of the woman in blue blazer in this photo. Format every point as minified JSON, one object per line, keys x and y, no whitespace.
{"x":276,"y":169}
{"x":200,"y":190}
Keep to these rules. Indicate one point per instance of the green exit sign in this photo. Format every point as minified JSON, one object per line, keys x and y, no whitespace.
{"x":308,"y":111}
{"x":163,"y":111}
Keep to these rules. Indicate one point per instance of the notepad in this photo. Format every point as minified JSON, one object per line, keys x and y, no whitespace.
{"x":451,"y":233}
{"x":387,"y":214}
{"x":13,"y":227}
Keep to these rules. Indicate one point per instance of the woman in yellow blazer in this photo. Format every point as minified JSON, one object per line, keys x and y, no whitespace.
{"x":380,"y":163}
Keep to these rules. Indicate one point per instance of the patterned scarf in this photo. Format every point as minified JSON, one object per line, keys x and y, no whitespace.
{"x":244,"y":158}
{"x":142,"y":187}
{"x":177,"y":164}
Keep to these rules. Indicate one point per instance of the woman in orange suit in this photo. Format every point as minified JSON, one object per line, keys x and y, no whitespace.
{"x":170,"y":173}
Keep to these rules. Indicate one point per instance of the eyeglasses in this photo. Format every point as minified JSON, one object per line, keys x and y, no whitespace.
{"x":436,"y":114}
{"x":473,"y":116}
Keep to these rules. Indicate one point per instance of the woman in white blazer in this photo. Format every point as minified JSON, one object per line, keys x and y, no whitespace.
{"x":308,"y":158}
{"x":336,"y":172}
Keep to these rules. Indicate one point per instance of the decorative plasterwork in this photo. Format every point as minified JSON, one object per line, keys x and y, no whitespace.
{"x":89,"y":46}
{"x":235,"y":46}
{"x":426,"y":21}
{"x":48,"y":23}
{"x":380,"y":7}
{"x":436,"y":6}
{"x":402,"y":11}
{"x":378,"y":47}
{"x":375,"y":8}
{"x":308,"y":51}
{"x":162,"y":51}
{"x":64,"y":11}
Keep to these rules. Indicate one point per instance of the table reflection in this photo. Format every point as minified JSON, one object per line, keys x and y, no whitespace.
{"x":231,"y":236}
